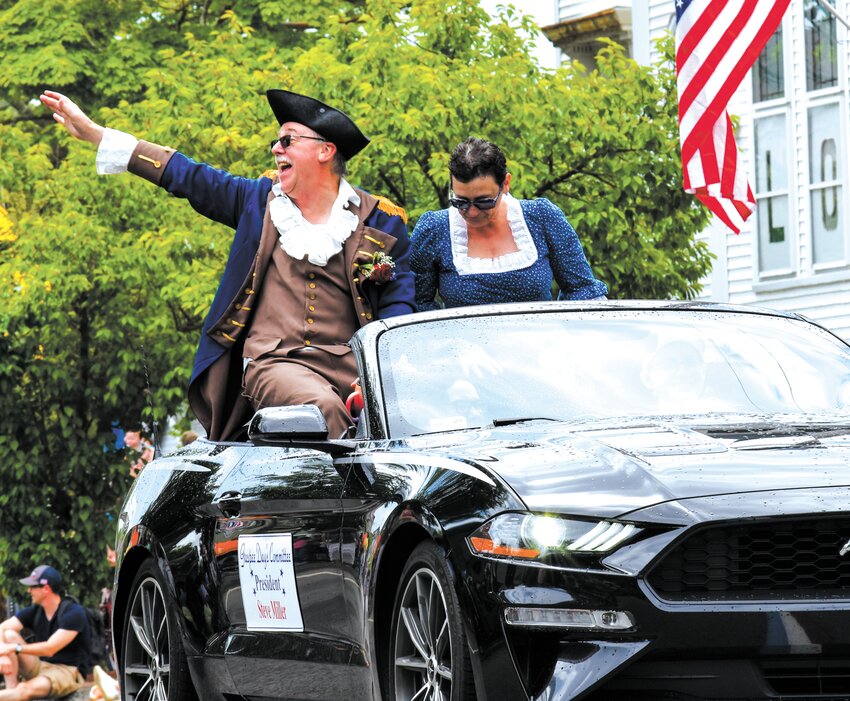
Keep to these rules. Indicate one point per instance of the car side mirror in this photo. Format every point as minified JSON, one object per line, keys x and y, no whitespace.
{"x":303,"y":421}
{"x":299,"y":426}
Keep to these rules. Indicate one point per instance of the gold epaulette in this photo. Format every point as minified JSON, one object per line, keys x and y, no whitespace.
{"x":271,"y":174}
{"x":391,"y":208}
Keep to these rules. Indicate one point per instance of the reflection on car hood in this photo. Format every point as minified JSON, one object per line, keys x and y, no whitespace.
{"x":609,"y":469}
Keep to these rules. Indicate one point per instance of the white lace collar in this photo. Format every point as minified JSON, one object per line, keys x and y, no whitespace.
{"x":318,"y":242}
{"x":516,"y":260}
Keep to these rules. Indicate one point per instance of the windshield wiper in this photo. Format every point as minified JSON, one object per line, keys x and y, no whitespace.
{"x":520,"y":420}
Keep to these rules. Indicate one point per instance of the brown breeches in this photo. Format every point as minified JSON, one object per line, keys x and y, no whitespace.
{"x":309,"y":376}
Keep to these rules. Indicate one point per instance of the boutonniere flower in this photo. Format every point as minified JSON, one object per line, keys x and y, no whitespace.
{"x":378,"y":269}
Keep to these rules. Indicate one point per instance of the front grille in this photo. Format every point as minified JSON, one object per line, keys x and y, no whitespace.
{"x":813,"y":675}
{"x":759,"y":560}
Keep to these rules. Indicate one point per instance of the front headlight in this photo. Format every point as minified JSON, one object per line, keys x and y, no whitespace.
{"x":534,"y":537}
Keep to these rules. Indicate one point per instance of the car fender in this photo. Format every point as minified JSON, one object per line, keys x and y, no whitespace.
{"x":141,"y":544}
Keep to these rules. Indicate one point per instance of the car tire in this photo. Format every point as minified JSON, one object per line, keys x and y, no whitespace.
{"x":429,"y":655}
{"x":153,"y":662}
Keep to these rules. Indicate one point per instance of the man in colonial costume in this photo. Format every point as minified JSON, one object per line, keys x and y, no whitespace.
{"x":313,"y":259}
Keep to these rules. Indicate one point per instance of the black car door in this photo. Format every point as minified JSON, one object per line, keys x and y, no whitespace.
{"x":277,"y":545}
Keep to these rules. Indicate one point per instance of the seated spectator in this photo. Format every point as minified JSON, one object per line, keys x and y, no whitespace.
{"x":56,"y":662}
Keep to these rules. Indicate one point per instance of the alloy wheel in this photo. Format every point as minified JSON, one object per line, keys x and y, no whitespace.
{"x":147,"y":666}
{"x":423,"y":645}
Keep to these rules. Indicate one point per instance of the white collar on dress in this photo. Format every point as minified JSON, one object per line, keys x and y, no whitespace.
{"x":318,"y":242}
{"x":525,"y":256}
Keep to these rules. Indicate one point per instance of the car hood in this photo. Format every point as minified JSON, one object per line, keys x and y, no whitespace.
{"x":613,"y":468}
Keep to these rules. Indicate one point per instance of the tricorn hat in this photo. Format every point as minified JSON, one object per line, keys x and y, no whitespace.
{"x":333,"y":125}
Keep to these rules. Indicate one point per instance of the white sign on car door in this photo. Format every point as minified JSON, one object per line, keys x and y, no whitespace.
{"x":267,"y":579}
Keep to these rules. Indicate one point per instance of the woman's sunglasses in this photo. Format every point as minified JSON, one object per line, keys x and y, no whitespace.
{"x":483,"y":203}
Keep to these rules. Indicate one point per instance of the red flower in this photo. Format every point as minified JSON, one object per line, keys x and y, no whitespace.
{"x":379,"y":269}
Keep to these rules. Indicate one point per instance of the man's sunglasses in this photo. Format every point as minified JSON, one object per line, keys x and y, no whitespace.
{"x":482,"y":203}
{"x":286,"y":139}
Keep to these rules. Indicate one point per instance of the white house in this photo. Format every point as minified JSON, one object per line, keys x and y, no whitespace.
{"x":794,"y":134}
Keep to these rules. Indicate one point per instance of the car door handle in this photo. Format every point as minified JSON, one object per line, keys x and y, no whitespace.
{"x":230,"y":503}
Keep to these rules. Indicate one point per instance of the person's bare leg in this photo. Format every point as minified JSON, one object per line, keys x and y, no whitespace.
{"x":9,"y":663}
{"x":36,"y":688}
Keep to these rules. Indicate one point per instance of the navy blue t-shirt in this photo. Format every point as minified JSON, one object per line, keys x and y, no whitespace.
{"x":69,"y":616}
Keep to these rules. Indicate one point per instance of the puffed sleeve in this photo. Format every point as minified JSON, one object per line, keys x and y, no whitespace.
{"x":424,"y":261}
{"x":570,"y":268}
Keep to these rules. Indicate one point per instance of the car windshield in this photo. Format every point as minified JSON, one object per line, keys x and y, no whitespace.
{"x":459,"y":373}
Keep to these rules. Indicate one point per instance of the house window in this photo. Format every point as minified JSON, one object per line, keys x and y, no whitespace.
{"x":825,"y":193}
{"x":821,"y":47}
{"x":772,"y":193}
{"x":768,"y":71}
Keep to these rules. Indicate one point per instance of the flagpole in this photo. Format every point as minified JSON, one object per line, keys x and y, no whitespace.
{"x":831,"y":10}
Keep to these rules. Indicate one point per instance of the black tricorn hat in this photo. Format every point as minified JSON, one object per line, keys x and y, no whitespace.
{"x":335,"y":126}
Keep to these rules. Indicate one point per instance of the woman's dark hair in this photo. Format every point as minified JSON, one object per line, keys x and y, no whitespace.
{"x":475,"y":158}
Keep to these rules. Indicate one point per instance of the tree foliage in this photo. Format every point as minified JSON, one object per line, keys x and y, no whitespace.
{"x":105,"y":281}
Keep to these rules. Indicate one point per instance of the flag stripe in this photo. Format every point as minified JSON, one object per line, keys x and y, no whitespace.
{"x":693,"y":32}
{"x":726,"y":80}
{"x":717,"y":43}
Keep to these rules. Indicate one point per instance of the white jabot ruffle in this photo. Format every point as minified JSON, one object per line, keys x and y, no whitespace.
{"x":318,"y":242}
{"x":525,"y":256}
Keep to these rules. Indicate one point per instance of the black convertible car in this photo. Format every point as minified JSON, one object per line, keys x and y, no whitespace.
{"x":543,"y":501}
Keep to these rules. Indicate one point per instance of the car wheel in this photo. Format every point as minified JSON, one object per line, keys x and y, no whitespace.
{"x":154,"y":664}
{"x":430,"y":656}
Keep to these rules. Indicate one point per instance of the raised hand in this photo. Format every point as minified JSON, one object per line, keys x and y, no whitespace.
{"x":69,"y":115}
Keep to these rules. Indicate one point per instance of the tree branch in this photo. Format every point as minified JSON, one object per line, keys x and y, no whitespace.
{"x":550,"y":184}
{"x":30,"y":118}
{"x":441,"y":195}
{"x":397,"y":196}
{"x":183,"y":321}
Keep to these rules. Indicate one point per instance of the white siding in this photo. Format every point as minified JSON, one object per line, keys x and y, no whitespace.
{"x":662,"y":18}
{"x":822,"y":295}
{"x":570,"y":9}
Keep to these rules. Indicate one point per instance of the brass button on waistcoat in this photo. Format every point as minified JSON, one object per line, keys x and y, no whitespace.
{"x":311,"y":308}
{"x":312,"y":285}
{"x":309,"y":321}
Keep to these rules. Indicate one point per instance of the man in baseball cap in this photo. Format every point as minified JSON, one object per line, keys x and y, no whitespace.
{"x":56,"y":661}
{"x":44,"y":574}
{"x":299,"y":281}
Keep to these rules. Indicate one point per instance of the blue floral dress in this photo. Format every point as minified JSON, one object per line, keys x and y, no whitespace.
{"x":548,"y":248}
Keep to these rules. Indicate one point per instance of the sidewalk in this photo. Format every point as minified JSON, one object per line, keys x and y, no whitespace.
{"x":80,"y":695}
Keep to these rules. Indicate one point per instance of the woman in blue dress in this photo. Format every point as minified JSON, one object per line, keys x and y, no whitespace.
{"x":489,"y":247}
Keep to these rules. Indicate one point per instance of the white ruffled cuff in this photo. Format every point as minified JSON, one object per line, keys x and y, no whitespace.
{"x":114,"y":153}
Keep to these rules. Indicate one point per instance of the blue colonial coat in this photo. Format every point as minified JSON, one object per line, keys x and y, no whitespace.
{"x":241,"y":203}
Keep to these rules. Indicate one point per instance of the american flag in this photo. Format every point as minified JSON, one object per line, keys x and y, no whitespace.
{"x":717,"y":41}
